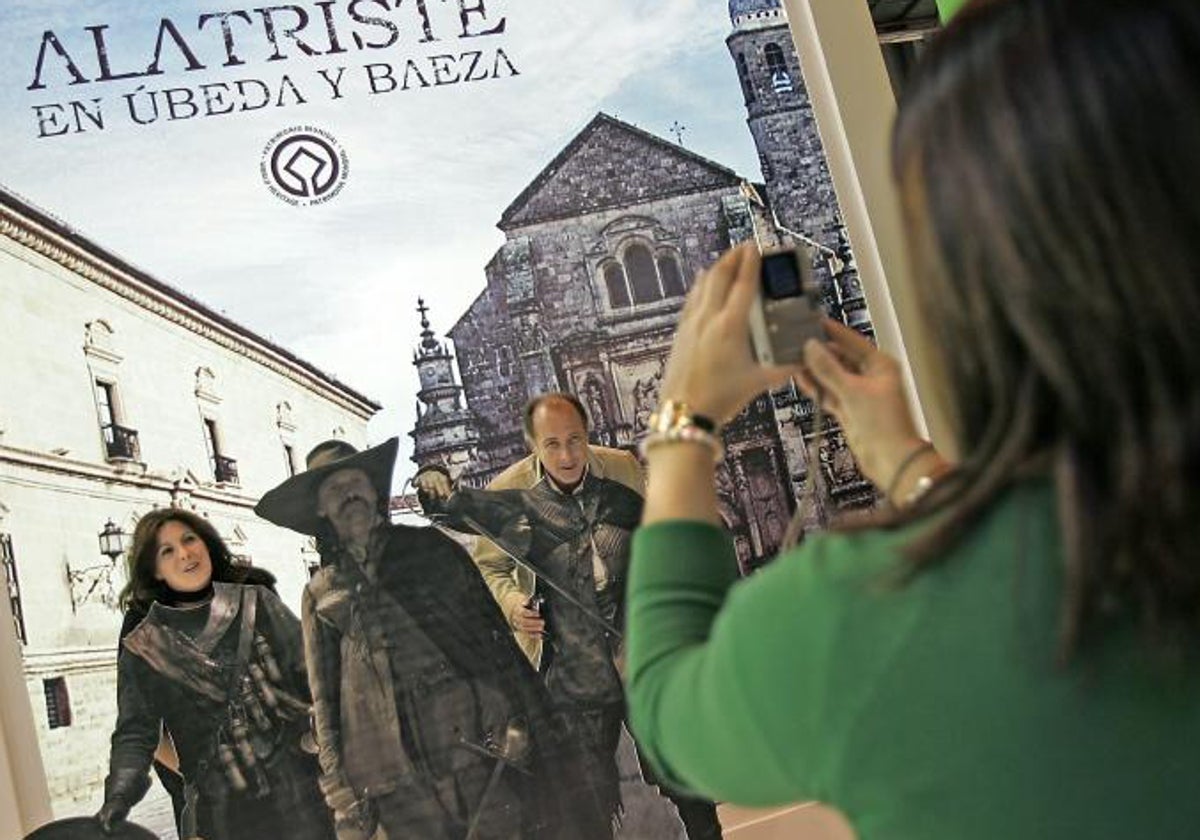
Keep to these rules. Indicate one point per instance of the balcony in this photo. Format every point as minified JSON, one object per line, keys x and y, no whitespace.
{"x":225,"y":470}
{"x":121,"y":443}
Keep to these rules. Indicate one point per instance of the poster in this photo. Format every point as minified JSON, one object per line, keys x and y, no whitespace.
{"x":233,"y":232}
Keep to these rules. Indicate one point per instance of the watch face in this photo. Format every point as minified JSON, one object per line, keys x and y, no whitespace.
{"x":86,"y":828}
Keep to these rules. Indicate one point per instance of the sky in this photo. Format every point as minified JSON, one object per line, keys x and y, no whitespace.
{"x":430,"y":169}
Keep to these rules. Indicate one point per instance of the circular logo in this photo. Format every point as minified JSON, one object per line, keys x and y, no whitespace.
{"x":304,"y":165}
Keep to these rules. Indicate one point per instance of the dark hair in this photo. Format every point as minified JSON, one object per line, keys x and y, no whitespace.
{"x":541,"y":399}
{"x":141,"y":560}
{"x":1046,"y":157}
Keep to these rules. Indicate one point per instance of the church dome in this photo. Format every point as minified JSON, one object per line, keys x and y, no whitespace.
{"x":740,"y":10}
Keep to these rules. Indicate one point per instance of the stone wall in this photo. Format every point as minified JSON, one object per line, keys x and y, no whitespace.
{"x":75,"y":756}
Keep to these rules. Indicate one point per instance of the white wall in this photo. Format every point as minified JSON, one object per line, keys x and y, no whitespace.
{"x":58,"y":487}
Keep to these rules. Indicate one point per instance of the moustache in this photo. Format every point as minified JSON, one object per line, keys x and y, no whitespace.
{"x":349,"y":500}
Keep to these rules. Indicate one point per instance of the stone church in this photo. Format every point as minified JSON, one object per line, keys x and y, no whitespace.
{"x":584,"y":296}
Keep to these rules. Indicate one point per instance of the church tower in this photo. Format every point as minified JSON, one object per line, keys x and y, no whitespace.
{"x":445,"y":431}
{"x":800,"y":194}
{"x":780,"y":117}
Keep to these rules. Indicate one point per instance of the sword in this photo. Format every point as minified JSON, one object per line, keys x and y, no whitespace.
{"x":516,"y":744}
{"x":524,"y":564}
{"x":558,"y":588}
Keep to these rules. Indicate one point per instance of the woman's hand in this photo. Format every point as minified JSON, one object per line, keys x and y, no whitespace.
{"x":862,"y":387}
{"x":111,"y":814}
{"x":711,"y":367}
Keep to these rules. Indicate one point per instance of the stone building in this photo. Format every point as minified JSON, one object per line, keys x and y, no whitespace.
{"x":445,"y":432}
{"x":600,"y":250}
{"x":802,"y":205}
{"x":125,"y":395}
{"x":780,"y":118}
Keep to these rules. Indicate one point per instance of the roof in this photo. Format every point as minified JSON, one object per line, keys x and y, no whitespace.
{"x":24,"y":209}
{"x":738,"y":8}
{"x":509,"y":218}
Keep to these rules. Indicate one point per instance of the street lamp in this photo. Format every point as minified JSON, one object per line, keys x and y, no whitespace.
{"x":112,"y":541}
{"x":83,"y":583}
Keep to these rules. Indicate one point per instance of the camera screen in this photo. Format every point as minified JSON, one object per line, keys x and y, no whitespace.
{"x":781,"y":276}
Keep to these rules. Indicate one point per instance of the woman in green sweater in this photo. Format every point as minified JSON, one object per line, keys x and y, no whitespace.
{"x":1010,"y":650}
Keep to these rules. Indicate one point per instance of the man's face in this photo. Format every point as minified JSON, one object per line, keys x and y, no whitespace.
{"x":349,"y":501}
{"x":560,"y":442}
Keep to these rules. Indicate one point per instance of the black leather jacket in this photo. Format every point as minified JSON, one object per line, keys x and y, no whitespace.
{"x":174,"y":670}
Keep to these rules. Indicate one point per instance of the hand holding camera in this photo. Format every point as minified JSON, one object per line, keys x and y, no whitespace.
{"x":711,"y":367}
{"x":862,"y":387}
{"x":787,"y":312}
{"x":752,"y":322}
{"x":525,"y":615}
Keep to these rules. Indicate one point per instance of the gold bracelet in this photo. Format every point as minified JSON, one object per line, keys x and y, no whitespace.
{"x":684,"y":434}
{"x":674,"y":414}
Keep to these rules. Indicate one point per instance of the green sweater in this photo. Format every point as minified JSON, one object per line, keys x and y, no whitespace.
{"x":929,"y":710}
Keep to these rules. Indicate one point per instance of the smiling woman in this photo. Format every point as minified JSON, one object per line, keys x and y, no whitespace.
{"x":181,"y":558}
{"x":216,"y":663}
{"x":171,"y":548}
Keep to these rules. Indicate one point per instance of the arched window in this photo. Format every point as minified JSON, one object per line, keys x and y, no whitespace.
{"x":781,"y":79}
{"x":643,"y":278}
{"x":671,"y":276}
{"x":744,"y":74}
{"x":618,"y":288}
{"x":775,"y":59}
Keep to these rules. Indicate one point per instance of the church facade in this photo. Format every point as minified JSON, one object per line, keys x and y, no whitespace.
{"x":601,"y":248}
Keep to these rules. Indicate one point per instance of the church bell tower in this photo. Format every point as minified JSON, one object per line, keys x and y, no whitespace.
{"x":781,"y":121}
{"x":445,"y":431}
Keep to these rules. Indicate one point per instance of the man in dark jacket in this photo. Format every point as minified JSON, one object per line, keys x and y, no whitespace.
{"x":568,"y":512}
{"x":429,"y":720}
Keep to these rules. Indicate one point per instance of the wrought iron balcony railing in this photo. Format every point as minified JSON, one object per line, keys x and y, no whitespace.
{"x":121,"y":443}
{"x":225,"y":469}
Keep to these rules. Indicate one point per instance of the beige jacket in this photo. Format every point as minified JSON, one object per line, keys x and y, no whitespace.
{"x":511,"y":584}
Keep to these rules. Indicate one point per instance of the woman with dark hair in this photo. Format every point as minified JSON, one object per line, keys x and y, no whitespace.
{"x":144,"y":587}
{"x":215,"y":663}
{"x":1010,"y":649}
{"x":137,"y":605}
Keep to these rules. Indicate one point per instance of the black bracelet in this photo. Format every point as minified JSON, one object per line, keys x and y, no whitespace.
{"x":917,"y":452}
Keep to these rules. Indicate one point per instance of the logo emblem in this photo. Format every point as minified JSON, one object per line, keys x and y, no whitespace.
{"x":304,"y":165}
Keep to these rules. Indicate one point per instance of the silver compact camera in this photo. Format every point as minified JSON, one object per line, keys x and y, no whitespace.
{"x":786,"y":312}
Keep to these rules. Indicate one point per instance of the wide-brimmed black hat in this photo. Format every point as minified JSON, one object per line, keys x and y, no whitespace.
{"x":293,"y":504}
{"x":88,"y":828}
